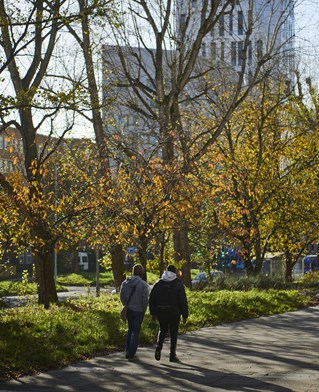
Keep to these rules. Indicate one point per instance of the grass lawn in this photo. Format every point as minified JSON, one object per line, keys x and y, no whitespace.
{"x":34,"y":339}
{"x":86,"y":279}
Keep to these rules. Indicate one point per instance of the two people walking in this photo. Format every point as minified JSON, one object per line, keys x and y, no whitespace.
{"x":167,"y":303}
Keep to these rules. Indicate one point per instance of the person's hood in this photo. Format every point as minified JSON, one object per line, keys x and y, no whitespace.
{"x":133,"y":280}
{"x":169,"y":276}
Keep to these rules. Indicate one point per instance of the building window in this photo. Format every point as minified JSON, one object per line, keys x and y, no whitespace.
{"x":250,"y":18}
{"x":204,"y":49}
{"x":259,"y":49}
{"x":2,"y":142}
{"x":182,"y":21}
{"x":222,"y":51}
{"x":222,"y":26}
{"x":233,"y":53}
{"x":213,"y":51}
{"x":231,"y":23}
{"x":6,"y":166}
{"x":240,"y":52}
{"x":250,"y":52}
{"x":126,"y":120}
{"x":250,"y":76}
{"x":29,"y":258}
{"x":19,"y":146}
{"x":240,"y":23}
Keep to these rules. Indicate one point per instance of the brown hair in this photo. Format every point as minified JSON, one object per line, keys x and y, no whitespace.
{"x":138,"y":270}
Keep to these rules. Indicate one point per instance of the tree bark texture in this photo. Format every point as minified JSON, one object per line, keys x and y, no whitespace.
{"x":117,"y":258}
{"x":44,"y":270}
{"x":182,"y":252}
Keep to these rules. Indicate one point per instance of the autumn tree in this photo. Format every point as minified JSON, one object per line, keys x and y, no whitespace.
{"x":143,"y":207}
{"x":162,"y":78}
{"x":86,"y":34}
{"x":245,"y":174}
{"x":296,"y":218}
{"x":263,"y":177}
{"x":34,"y":100}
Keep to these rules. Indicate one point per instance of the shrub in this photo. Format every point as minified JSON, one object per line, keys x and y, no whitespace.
{"x":244,"y":283}
{"x":311,"y":279}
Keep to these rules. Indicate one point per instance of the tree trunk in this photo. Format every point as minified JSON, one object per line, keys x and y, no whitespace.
{"x":182,"y":252}
{"x":249,"y":268}
{"x":117,"y":258}
{"x":259,"y":258}
{"x":289,"y":267}
{"x":75,"y":262}
{"x":44,"y":270}
{"x":161,"y":256}
{"x":142,"y":253}
{"x":97,"y":120}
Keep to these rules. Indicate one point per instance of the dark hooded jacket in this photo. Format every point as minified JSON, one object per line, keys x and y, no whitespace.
{"x":168,"y":295}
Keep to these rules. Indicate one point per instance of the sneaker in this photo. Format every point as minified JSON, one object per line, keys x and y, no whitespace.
{"x":131,"y":357}
{"x":174,"y":358}
{"x":157,"y":353}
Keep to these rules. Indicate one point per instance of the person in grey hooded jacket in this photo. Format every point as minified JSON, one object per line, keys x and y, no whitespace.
{"x":136,"y":304}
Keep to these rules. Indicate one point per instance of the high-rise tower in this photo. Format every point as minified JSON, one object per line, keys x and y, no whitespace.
{"x":245,"y":30}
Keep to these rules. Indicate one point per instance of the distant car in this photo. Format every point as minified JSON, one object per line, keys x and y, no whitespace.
{"x":201,"y":278}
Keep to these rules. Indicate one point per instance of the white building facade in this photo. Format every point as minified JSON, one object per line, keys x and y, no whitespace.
{"x":248,"y":37}
{"x":246,"y":30}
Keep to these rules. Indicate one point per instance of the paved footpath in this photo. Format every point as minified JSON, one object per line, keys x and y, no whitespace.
{"x":279,"y":353}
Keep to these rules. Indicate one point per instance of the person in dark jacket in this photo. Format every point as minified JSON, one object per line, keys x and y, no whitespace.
{"x":167,"y":304}
{"x":136,"y":304}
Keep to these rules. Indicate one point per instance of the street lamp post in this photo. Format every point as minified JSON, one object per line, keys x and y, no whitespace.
{"x":97,"y":256}
{"x":55,"y":219}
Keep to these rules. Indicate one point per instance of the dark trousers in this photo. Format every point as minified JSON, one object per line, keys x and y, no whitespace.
{"x":168,"y":321}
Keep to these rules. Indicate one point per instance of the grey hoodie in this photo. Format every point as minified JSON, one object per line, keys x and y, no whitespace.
{"x":169,"y":276}
{"x":139,"y":299}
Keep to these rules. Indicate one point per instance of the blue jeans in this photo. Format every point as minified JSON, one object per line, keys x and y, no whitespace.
{"x":134,"y":320}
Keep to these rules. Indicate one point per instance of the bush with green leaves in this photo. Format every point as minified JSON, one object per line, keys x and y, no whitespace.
{"x":8,"y":288}
{"x":17,"y":288}
{"x":86,"y":279}
{"x":244,"y":283}
{"x":310,"y":279}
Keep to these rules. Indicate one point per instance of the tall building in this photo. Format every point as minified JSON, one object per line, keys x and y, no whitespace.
{"x":251,"y":30}
{"x":127,"y":70}
{"x":252,"y":37}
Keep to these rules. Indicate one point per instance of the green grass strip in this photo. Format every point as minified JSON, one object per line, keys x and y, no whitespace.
{"x":34,"y":339}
